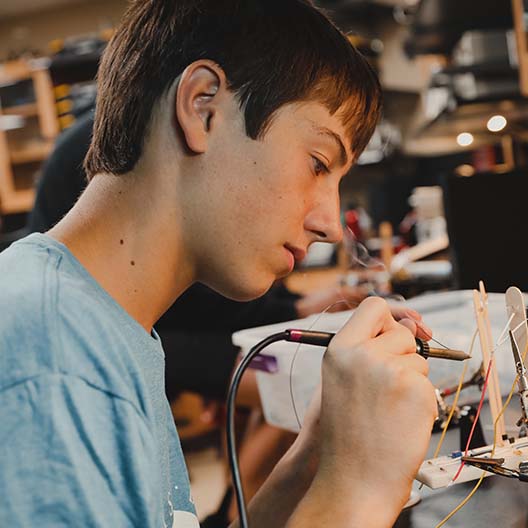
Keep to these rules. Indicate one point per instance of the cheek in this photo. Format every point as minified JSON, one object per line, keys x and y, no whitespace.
{"x":268,"y":190}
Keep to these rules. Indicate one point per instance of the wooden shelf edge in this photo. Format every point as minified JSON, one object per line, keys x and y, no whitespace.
{"x":31,"y":153}
{"x":17,"y":202}
{"x":24,"y":110}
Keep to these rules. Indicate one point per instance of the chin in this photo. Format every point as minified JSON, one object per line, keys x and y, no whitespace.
{"x":242,"y":291}
{"x":248,"y":294}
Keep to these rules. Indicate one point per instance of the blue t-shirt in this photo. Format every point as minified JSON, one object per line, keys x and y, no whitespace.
{"x":86,"y":433}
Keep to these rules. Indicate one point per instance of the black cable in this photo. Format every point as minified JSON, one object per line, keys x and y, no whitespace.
{"x":309,"y":337}
{"x":231,"y":397}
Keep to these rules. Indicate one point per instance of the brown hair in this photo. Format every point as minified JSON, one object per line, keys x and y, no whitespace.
{"x":273,"y":52}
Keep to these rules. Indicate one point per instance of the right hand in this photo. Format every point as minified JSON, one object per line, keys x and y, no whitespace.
{"x":377,"y":412}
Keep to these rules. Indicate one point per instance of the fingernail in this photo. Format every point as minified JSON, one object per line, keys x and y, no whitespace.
{"x":414,"y":314}
{"x":426,"y":329}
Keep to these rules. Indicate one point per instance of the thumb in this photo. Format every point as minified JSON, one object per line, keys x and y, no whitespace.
{"x":372,"y":318}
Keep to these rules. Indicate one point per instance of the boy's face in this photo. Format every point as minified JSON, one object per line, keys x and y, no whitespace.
{"x":266,"y":201}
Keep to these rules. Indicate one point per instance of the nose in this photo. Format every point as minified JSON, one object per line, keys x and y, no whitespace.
{"x":324,"y":220}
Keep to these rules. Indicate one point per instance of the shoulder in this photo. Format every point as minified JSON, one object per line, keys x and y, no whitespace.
{"x":56,"y":319}
{"x":27,"y":285}
{"x":27,"y":280}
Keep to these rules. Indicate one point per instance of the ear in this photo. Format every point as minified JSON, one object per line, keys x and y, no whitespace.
{"x":197,"y":102}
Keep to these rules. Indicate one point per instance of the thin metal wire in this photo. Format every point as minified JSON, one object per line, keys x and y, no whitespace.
{"x":436,"y":341}
{"x":368,"y":262}
{"x":513,"y":331}
{"x":363,"y":262}
{"x":294,"y":406}
{"x":477,"y":485}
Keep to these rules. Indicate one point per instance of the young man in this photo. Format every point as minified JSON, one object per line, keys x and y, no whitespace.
{"x":222,"y":131}
{"x":186,"y":343}
{"x":188,"y":346}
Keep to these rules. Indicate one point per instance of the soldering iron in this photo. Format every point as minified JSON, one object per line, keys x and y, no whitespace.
{"x":308,"y":337}
{"x":311,"y":337}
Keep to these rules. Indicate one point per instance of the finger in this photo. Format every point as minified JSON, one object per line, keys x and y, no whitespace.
{"x":415,"y":362}
{"x":410,"y":325}
{"x":397,"y":341}
{"x":401,"y":312}
{"x":413,"y":314}
{"x":423,"y":331}
{"x":371,"y":318}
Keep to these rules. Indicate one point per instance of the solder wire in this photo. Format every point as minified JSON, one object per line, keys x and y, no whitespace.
{"x":349,"y":234}
{"x":329,"y":307}
{"x":350,"y":306}
{"x":354,"y":256}
{"x":294,"y":406}
{"x":499,"y":416}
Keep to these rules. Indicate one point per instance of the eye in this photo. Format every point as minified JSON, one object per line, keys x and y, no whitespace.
{"x":319,"y":166}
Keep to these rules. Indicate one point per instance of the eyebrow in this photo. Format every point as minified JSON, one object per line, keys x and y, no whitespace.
{"x":324,"y":131}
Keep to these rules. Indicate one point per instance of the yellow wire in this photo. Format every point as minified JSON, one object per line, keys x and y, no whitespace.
{"x":455,"y":401}
{"x":477,"y":485}
{"x":463,"y":503}
{"x":452,"y":412}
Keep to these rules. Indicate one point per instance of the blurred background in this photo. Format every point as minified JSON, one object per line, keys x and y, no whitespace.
{"x":435,"y":203}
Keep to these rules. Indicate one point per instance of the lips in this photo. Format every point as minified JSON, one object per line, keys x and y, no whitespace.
{"x":291,"y":260}
{"x":298,"y":253}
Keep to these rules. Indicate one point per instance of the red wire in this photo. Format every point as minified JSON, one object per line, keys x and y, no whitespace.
{"x":484,"y":387}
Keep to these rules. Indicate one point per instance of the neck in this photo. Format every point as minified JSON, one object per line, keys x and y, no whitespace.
{"x":126,"y":231}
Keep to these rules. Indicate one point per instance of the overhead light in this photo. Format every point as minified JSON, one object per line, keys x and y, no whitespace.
{"x":465,"y":139}
{"x":496,"y":123}
{"x":465,"y":170}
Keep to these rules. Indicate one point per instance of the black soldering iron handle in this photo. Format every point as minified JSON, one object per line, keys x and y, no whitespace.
{"x":311,"y":337}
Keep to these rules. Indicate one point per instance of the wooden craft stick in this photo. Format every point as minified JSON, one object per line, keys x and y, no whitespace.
{"x":486,"y":345}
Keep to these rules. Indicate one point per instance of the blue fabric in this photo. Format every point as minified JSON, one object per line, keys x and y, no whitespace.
{"x":86,"y":433}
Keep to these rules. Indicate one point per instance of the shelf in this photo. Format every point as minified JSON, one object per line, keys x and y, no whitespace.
{"x":28,"y":128}
{"x":13,"y":72}
{"x":24,"y":110}
{"x":18,"y":202}
{"x":35,"y":151}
